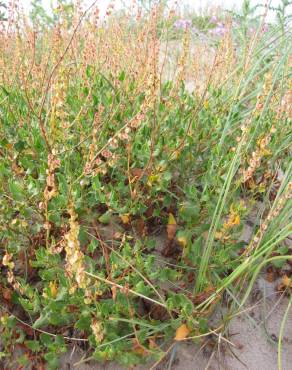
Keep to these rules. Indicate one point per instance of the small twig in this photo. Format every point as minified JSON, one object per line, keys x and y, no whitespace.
{"x":164,"y":355}
{"x":83,"y":360}
{"x":210,"y":360}
{"x":125,"y":288}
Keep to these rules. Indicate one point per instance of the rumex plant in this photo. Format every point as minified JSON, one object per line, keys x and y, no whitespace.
{"x":124,"y":193}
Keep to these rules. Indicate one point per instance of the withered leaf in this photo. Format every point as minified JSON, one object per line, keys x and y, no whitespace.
{"x":182,"y":332}
{"x":171,"y":227}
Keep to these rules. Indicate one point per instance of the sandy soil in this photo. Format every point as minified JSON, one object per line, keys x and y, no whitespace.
{"x":252,"y":335}
{"x":249,"y":343}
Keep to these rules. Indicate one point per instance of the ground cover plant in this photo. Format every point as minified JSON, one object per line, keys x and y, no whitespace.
{"x":133,"y":150}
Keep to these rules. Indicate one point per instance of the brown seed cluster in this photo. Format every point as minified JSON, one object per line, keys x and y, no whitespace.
{"x":8,"y":262}
{"x":74,"y":256}
{"x":97,"y":329}
{"x":256,"y":157}
{"x":51,"y":189}
{"x":262,"y":96}
{"x":59,"y":116}
{"x":183,"y":60}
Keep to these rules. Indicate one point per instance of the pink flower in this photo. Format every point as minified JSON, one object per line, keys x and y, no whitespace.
{"x":213,"y":19}
{"x":265,"y":28}
{"x":220,"y":30}
{"x":183,"y":24}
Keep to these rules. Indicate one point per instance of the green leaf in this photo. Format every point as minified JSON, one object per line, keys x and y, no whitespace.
{"x":46,"y":339}
{"x":142,"y":288}
{"x":33,"y":345}
{"x":19,"y":146}
{"x":11,"y":322}
{"x":83,"y":323}
{"x":105,"y":218}
{"x":16,"y":190}
{"x":89,"y":71}
{"x":92,"y":246}
{"x":122,"y":76}
{"x":203,"y":325}
{"x":6,"y":92}
{"x":42,"y":320}
{"x":52,"y":360}
{"x":23,"y":361}
{"x":279,"y":263}
{"x":59,"y":340}
{"x":189,"y":212}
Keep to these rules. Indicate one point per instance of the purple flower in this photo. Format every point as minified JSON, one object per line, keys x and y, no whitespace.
{"x":213,"y":19}
{"x":220,"y":30}
{"x":183,"y":24}
{"x":265,"y":28}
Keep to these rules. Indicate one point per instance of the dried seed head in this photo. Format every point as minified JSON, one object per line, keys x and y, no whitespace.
{"x":97,"y":330}
{"x":74,"y":257}
{"x":106,"y":153}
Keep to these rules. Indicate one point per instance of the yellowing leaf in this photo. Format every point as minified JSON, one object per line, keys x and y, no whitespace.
{"x":125,"y":218}
{"x":182,"y":332}
{"x":140,"y":351}
{"x":53,"y":288}
{"x":171,"y":227}
{"x":233,"y":220}
{"x":287,"y":282}
{"x":267,"y":152}
{"x":182,"y":241}
{"x":137,"y":348}
{"x":236,"y":220}
{"x":182,"y":238}
{"x":9,"y":146}
{"x":152,"y":343}
{"x":218,"y":235}
{"x":175,"y":154}
{"x":17,"y":169}
{"x":152,"y":179}
{"x":221,"y":235}
{"x":171,"y":219}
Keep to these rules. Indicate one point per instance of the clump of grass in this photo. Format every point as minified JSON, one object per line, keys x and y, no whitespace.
{"x":100,"y":152}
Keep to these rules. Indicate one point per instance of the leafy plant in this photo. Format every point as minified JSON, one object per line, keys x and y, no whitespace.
{"x":124,"y":194}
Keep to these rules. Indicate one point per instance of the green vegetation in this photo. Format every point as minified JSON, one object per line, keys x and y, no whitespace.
{"x":124,"y":195}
